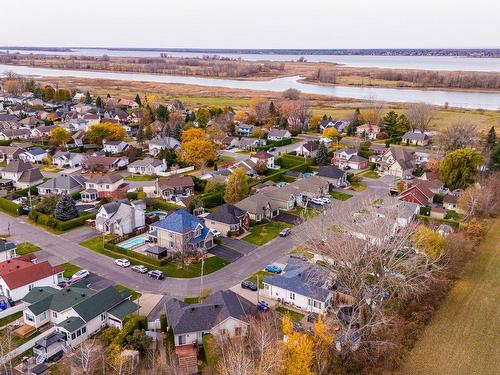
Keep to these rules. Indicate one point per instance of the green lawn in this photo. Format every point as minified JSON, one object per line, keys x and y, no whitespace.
{"x":340,"y":196}
{"x":135,"y":294}
{"x":140,"y":178}
{"x":225,"y":159}
{"x":358,"y":186}
{"x":244,"y":152}
{"x":24,"y":248}
{"x":17,"y":341}
{"x":303,"y":251}
{"x":369,"y":174}
{"x":261,"y":275}
{"x":171,"y":269}
{"x":70,"y":269}
{"x":10,"y":318}
{"x":192,"y":300}
{"x":306,"y":214}
{"x":261,"y":234}
{"x":463,"y":336}
{"x":294,"y":315}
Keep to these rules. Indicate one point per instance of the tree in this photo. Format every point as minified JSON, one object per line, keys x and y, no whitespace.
{"x":108,"y":335}
{"x":65,"y":208}
{"x":291,"y":94}
{"x":429,"y":241}
{"x":433,"y":164}
{"x":420,"y":115}
{"x":198,"y":152}
{"x":88,"y":98}
{"x":148,"y":133}
{"x":97,"y":133}
{"x":298,"y":350}
{"x":491,"y":138}
{"x":140,"y":134}
{"x":162,"y":113}
{"x":147,"y":115}
{"x":322,"y":156}
{"x":216,"y":134}
{"x":47,"y":204}
{"x":12,"y":86}
{"x":237,"y":186}
{"x":259,"y":133}
{"x":138,"y":341}
{"x":482,"y":199}
{"x":332,"y":133}
{"x":260,"y":107}
{"x":461,"y":134}
{"x":495,"y":158}
{"x":177,"y":133}
{"x":138,"y":100}
{"x":213,"y":185}
{"x":98,"y":102}
{"x":59,"y":136}
{"x":202,"y":116}
{"x":261,"y":167}
{"x":193,"y":134}
{"x":354,"y":123}
{"x":323,"y":340}
{"x":394,"y":124}
{"x":315,"y":121}
{"x":459,"y":168}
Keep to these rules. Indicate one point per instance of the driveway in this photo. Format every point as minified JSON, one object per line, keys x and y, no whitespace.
{"x":225,"y":252}
{"x":81,"y":234}
{"x":98,"y":282}
{"x":240,"y":246}
{"x":287,"y":218}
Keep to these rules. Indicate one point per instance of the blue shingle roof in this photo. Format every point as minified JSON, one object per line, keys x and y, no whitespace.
{"x":180,"y":221}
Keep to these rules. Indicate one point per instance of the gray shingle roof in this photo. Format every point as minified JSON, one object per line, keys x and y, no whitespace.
{"x":64,"y":182}
{"x":227,"y":213}
{"x":330,"y":172}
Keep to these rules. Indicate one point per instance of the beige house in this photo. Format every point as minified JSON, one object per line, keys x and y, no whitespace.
{"x":229,"y":220}
{"x":102,"y":186}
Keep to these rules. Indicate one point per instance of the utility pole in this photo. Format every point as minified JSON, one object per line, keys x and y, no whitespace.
{"x":258,"y":294}
{"x":201,"y":278}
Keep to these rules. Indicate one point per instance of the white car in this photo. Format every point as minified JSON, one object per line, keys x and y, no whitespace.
{"x":122,"y":262}
{"x":80,"y":275}
{"x":325,"y":200}
{"x":215,"y":233}
{"x":318,"y":201}
{"x":139,"y":268}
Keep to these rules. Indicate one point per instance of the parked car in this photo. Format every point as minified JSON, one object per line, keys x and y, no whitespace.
{"x":273,"y":268}
{"x":325,"y":200}
{"x":263,"y":305}
{"x":64,"y":284}
{"x":318,"y":201}
{"x":122,"y":262}
{"x":248,"y":285}
{"x":139,"y":268}
{"x":215,"y":233}
{"x":272,"y":149}
{"x":156,"y":274}
{"x":285,"y":232}
{"x":346,"y":168}
{"x":80,"y":275}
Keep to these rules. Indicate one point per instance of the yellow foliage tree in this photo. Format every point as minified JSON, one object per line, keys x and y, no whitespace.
{"x":12,"y":86}
{"x":315,"y":121}
{"x":258,"y":133}
{"x":192,"y":134}
{"x":332,"y":134}
{"x":298,"y":351}
{"x":197,"y":152}
{"x":59,"y":136}
{"x":237,"y":186}
{"x":241,"y":116}
{"x":216,"y":134}
{"x":429,"y":241}
{"x":105,"y":131}
{"x":323,"y":340}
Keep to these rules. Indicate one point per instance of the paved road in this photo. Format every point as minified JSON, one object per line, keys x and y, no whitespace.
{"x":66,"y":248}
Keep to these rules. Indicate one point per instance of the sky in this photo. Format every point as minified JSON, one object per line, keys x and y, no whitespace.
{"x":252,"y":23}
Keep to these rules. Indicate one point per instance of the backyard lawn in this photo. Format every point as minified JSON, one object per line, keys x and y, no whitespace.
{"x":134,"y":294}
{"x":305,"y":213}
{"x":70,"y":269}
{"x":358,"y":186}
{"x":370,"y":174}
{"x":192,"y":300}
{"x":225,"y":159}
{"x":294,"y":315}
{"x":263,"y":233}
{"x":171,"y":269}
{"x":140,"y":178}
{"x":261,"y":275}
{"x":303,"y":251}
{"x":24,"y":248}
{"x":10,"y":318}
{"x":463,"y":336}
{"x":340,"y":196}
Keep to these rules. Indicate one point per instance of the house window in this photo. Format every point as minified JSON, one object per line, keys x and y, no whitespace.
{"x":237,"y":331}
{"x":54,"y":314}
{"x":31,"y":286}
{"x":309,"y":302}
{"x":43,"y":315}
{"x":73,"y":336}
{"x":292,"y":295}
{"x":182,"y":339}
{"x":103,"y":317}
{"x":29,"y":317}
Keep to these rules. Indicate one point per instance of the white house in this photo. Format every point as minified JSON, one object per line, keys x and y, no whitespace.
{"x":309,"y":149}
{"x":121,"y":217}
{"x":22,"y":174}
{"x":147,"y":166}
{"x":263,"y":157}
{"x":7,"y":250}
{"x":166,"y":143}
{"x":62,"y":184}
{"x":278,"y":134}
{"x":114,"y":147}
{"x":34,"y":155}
{"x":68,"y":159}
{"x":20,"y":275}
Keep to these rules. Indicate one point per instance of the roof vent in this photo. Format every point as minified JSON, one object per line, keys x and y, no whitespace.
{"x":83,"y":294}
{"x":18,"y":266}
{"x":192,"y":308}
{"x":68,"y":289}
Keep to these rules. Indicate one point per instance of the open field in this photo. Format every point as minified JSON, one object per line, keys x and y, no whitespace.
{"x":464,"y":337}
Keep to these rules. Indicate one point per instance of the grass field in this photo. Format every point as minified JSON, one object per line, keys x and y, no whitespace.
{"x":140,"y":178}
{"x":261,"y":275}
{"x":369,"y":174}
{"x":263,"y":233}
{"x":340,"y":196}
{"x":10,"y":318}
{"x":358,"y":186}
{"x":225,"y":159}
{"x":69,"y":269}
{"x":134,"y":294}
{"x":24,"y":248}
{"x":303,"y":251}
{"x":294,"y":315}
{"x":192,"y":300}
{"x":305,"y":214}
{"x":464,"y":336}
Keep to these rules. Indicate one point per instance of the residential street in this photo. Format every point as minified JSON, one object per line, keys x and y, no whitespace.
{"x":65,"y":248}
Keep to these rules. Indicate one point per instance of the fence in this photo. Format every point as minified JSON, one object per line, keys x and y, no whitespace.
{"x":125,"y":237}
{"x":176,"y":172}
{"x":12,"y":310}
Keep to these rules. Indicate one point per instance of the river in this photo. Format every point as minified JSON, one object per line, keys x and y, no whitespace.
{"x":452,"y":63}
{"x":470,"y":100}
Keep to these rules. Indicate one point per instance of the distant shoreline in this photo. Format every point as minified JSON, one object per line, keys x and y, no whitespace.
{"x":451,"y":52}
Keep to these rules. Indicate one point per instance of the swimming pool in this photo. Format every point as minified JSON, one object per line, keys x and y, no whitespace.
{"x":133,"y":242}
{"x":157,"y":213}
{"x":307,"y":174}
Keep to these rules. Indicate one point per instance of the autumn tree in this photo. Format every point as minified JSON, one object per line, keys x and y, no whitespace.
{"x":216,"y":134}
{"x":482,"y":199}
{"x":259,"y":133}
{"x":12,"y":86}
{"x":197,"y":152}
{"x":193,"y":134}
{"x":420,"y":115}
{"x":97,"y":133}
{"x":260,"y":107}
{"x":461,"y":134}
{"x":291,"y":94}
{"x":59,"y":136}
{"x":315,"y":121}
{"x":429,"y":241}
{"x":332,"y":133}
{"x":373,"y":113}
{"x":323,"y":339}
{"x":237,"y":186}
{"x":260,"y":167}
{"x":459,"y":168}
{"x":433,"y":164}
{"x":298,"y":351}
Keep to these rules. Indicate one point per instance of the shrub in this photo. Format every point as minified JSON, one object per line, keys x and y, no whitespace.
{"x":163,"y":323}
{"x":451,"y":215}
{"x":108,"y":335}
{"x":65,"y":208}
{"x":425,"y":211}
{"x":132,"y":195}
{"x":10,"y":207}
{"x":132,"y":323}
{"x":208,"y":347}
{"x":438,"y":198}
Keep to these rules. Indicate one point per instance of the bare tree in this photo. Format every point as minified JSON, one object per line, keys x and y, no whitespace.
{"x":373,"y":112}
{"x":420,"y":115}
{"x":482,"y":199}
{"x":6,"y":346}
{"x":291,"y":94}
{"x":87,"y":358}
{"x":461,"y":134}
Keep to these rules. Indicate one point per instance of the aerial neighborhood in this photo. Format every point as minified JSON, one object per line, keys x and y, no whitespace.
{"x":157,"y":225}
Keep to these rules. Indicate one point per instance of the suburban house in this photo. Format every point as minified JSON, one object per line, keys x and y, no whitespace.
{"x":103,"y":186}
{"x":114,"y":147}
{"x":368,"y":131}
{"x":229,"y":220}
{"x":175,"y":187}
{"x":62,"y":184}
{"x":42,"y":131}
{"x":263,"y":157}
{"x":283,"y":198}
{"x":415,"y":138}
{"x":247,"y":164}
{"x":77,"y":311}
{"x":22,"y":174}
{"x":147,"y":166}
{"x":259,"y":207}
{"x":65,"y":159}
{"x":348,"y":157}
{"x":7,"y":250}
{"x":127,"y":103}
{"x":303,"y":285}
{"x":335,"y":177}
{"x":418,"y":193}
{"x":278,"y":134}
{"x":20,"y":275}
{"x":33,"y":155}
{"x":250,"y":143}
{"x":166,"y":143}
{"x":121,"y":217}
{"x":9,"y":153}
{"x":8,"y":134}
{"x":309,"y":149}
{"x":450,"y":202}
{"x":182,"y":232}
{"x":397,"y":162}
{"x":336,"y":124}
{"x":244,"y":130}
{"x":224,"y":312}
{"x":79,"y":138}
{"x":104,"y":163}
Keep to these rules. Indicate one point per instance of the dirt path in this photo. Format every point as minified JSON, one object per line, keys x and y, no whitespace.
{"x":464,"y":337}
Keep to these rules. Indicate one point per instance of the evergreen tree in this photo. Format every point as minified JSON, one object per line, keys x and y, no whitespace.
{"x":148,"y":116}
{"x":162,"y":113}
{"x":108,"y":96}
{"x":283,"y":123}
{"x":177,"y":133}
{"x":495,"y":158}
{"x":65,"y":208}
{"x":390,"y":123}
{"x":322,"y":157}
{"x":491,"y":138}
{"x":148,"y":134}
{"x":88,"y":98}
{"x":98,"y":102}
{"x":355,"y":122}
{"x":138,"y":100}
{"x":140,"y":134}
{"x":272,"y":110}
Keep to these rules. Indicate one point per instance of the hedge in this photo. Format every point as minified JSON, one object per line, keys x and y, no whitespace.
{"x":426,"y":219}
{"x":135,"y":255}
{"x":283,"y":142}
{"x":24,"y":192}
{"x":10,"y":207}
{"x":132,"y":322}
{"x":211,"y":200}
{"x":52,"y":222}
{"x":160,"y":204}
